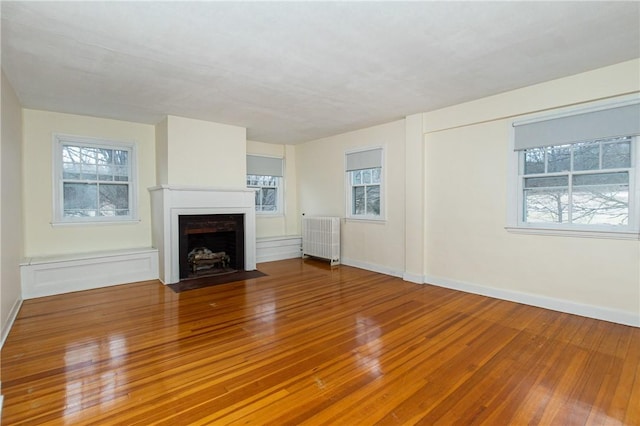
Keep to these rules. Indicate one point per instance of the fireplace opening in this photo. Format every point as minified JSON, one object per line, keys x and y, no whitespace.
{"x":210,"y":244}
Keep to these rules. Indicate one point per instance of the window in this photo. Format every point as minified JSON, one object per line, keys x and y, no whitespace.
{"x":264,"y":174}
{"x":94,"y":180}
{"x":364,"y":184}
{"x":568,"y":182}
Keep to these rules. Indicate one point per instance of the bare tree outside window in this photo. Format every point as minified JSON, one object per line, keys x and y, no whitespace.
{"x":95,"y":181}
{"x":584,"y":183}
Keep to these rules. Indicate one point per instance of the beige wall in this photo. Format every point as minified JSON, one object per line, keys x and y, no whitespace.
{"x":43,"y":239}
{"x":11,"y":240}
{"x":287,"y":223}
{"x":321,"y":192}
{"x":466,"y":162}
{"x":204,"y":153}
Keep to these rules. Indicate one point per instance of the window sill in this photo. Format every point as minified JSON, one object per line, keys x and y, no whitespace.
{"x":97,"y":222}
{"x":366,"y":220}
{"x":577,"y":233}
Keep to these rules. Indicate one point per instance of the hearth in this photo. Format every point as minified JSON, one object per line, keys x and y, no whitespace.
{"x":210,"y":244}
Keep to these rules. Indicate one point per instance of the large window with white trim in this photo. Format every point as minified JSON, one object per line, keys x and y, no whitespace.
{"x":578,"y":172}
{"x":94,"y":180}
{"x":365,"y":184}
{"x":265,"y":176}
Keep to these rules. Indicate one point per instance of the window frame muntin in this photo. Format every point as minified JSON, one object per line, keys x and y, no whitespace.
{"x":59,"y":140}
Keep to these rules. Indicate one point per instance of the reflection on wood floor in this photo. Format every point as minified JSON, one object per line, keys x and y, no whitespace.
{"x":310,"y":344}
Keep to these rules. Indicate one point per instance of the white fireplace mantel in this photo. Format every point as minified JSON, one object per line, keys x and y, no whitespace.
{"x":168,"y":202}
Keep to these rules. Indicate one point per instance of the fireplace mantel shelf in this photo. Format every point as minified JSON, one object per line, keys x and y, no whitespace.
{"x":199,"y":188}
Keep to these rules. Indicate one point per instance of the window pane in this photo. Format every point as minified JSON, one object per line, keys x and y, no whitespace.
{"x":88,"y":155}
{"x":375,"y":175}
{"x":558,"y":158}
{"x":546,"y":205}
{"x":546,"y":182}
{"x":358,"y":206}
{"x":373,"y":200}
{"x":601,"y":205}
{"x":89,"y":172}
{"x":366,"y":176}
{"x":71,"y":171}
{"x":534,"y":161}
{"x":121,"y":173}
{"x":258,"y":199}
{"x":105,"y":172}
{"x":104,"y":156}
{"x":113,"y":198}
{"x":616,"y":155}
{"x":80,"y":199}
{"x":269,"y":198}
{"x":357,"y":177}
{"x":601,"y":179}
{"x":586,"y":156}
{"x":71,"y":154}
{"x":120,"y":158}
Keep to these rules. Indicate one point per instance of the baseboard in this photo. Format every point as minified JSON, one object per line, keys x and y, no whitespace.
{"x":13,"y":314}
{"x":560,"y":305}
{"x":278,"y":248}
{"x":57,"y":275}
{"x":372,"y":267}
{"x":414,"y":278}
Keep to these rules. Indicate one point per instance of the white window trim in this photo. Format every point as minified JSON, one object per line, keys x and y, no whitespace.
{"x":348,"y":195}
{"x":58,"y":218}
{"x":515,"y":193}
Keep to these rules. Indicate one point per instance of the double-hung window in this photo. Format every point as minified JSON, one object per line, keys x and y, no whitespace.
{"x":265,"y":174}
{"x":365,"y":189}
{"x":94,"y":180}
{"x":579,"y":172}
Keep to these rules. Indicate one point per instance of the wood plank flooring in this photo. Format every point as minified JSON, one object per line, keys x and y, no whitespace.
{"x":311,"y":345}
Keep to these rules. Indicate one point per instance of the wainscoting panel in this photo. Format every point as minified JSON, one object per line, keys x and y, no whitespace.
{"x":56,"y":275}
{"x":278,"y":248}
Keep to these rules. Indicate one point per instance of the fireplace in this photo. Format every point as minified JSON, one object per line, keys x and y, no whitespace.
{"x":171,"y":206}
{"x":210,"y":244}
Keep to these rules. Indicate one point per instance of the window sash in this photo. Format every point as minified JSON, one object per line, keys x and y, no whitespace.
{"x":265,"y":186}
{"x":107,"y":193}
{"x":364,"y":189}
{"x":611,"y":187}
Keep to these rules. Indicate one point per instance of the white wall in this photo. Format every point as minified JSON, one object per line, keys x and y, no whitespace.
{"x":466,"y":160}
{"x":321,"y":192}
{"x":43,"y":239}
{"x":205,"y":154}
{"x":11,"y":240}
{"x":288,"y":222}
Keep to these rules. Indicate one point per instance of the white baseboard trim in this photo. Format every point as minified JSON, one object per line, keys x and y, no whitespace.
{"x":63,"y":274}
{"x":561,"y":305}
{"x":13,"y":314}
{"x":372,"y":267}
{"x":413,"y":278}
{"x":278,"y":248}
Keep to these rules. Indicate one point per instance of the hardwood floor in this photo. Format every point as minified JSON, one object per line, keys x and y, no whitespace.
{"x":308,"y":344}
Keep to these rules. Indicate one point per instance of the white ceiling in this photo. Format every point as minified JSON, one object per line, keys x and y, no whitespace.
{"x":296,"y":71}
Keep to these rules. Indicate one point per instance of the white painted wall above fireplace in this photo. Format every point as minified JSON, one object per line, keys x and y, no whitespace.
{"x":168,"y":202}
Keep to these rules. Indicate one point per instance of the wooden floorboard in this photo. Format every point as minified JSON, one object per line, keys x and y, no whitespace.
{"x":311,"y":344}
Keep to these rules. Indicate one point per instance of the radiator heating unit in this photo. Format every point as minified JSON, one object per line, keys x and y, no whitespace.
{"x":321,"y":238}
